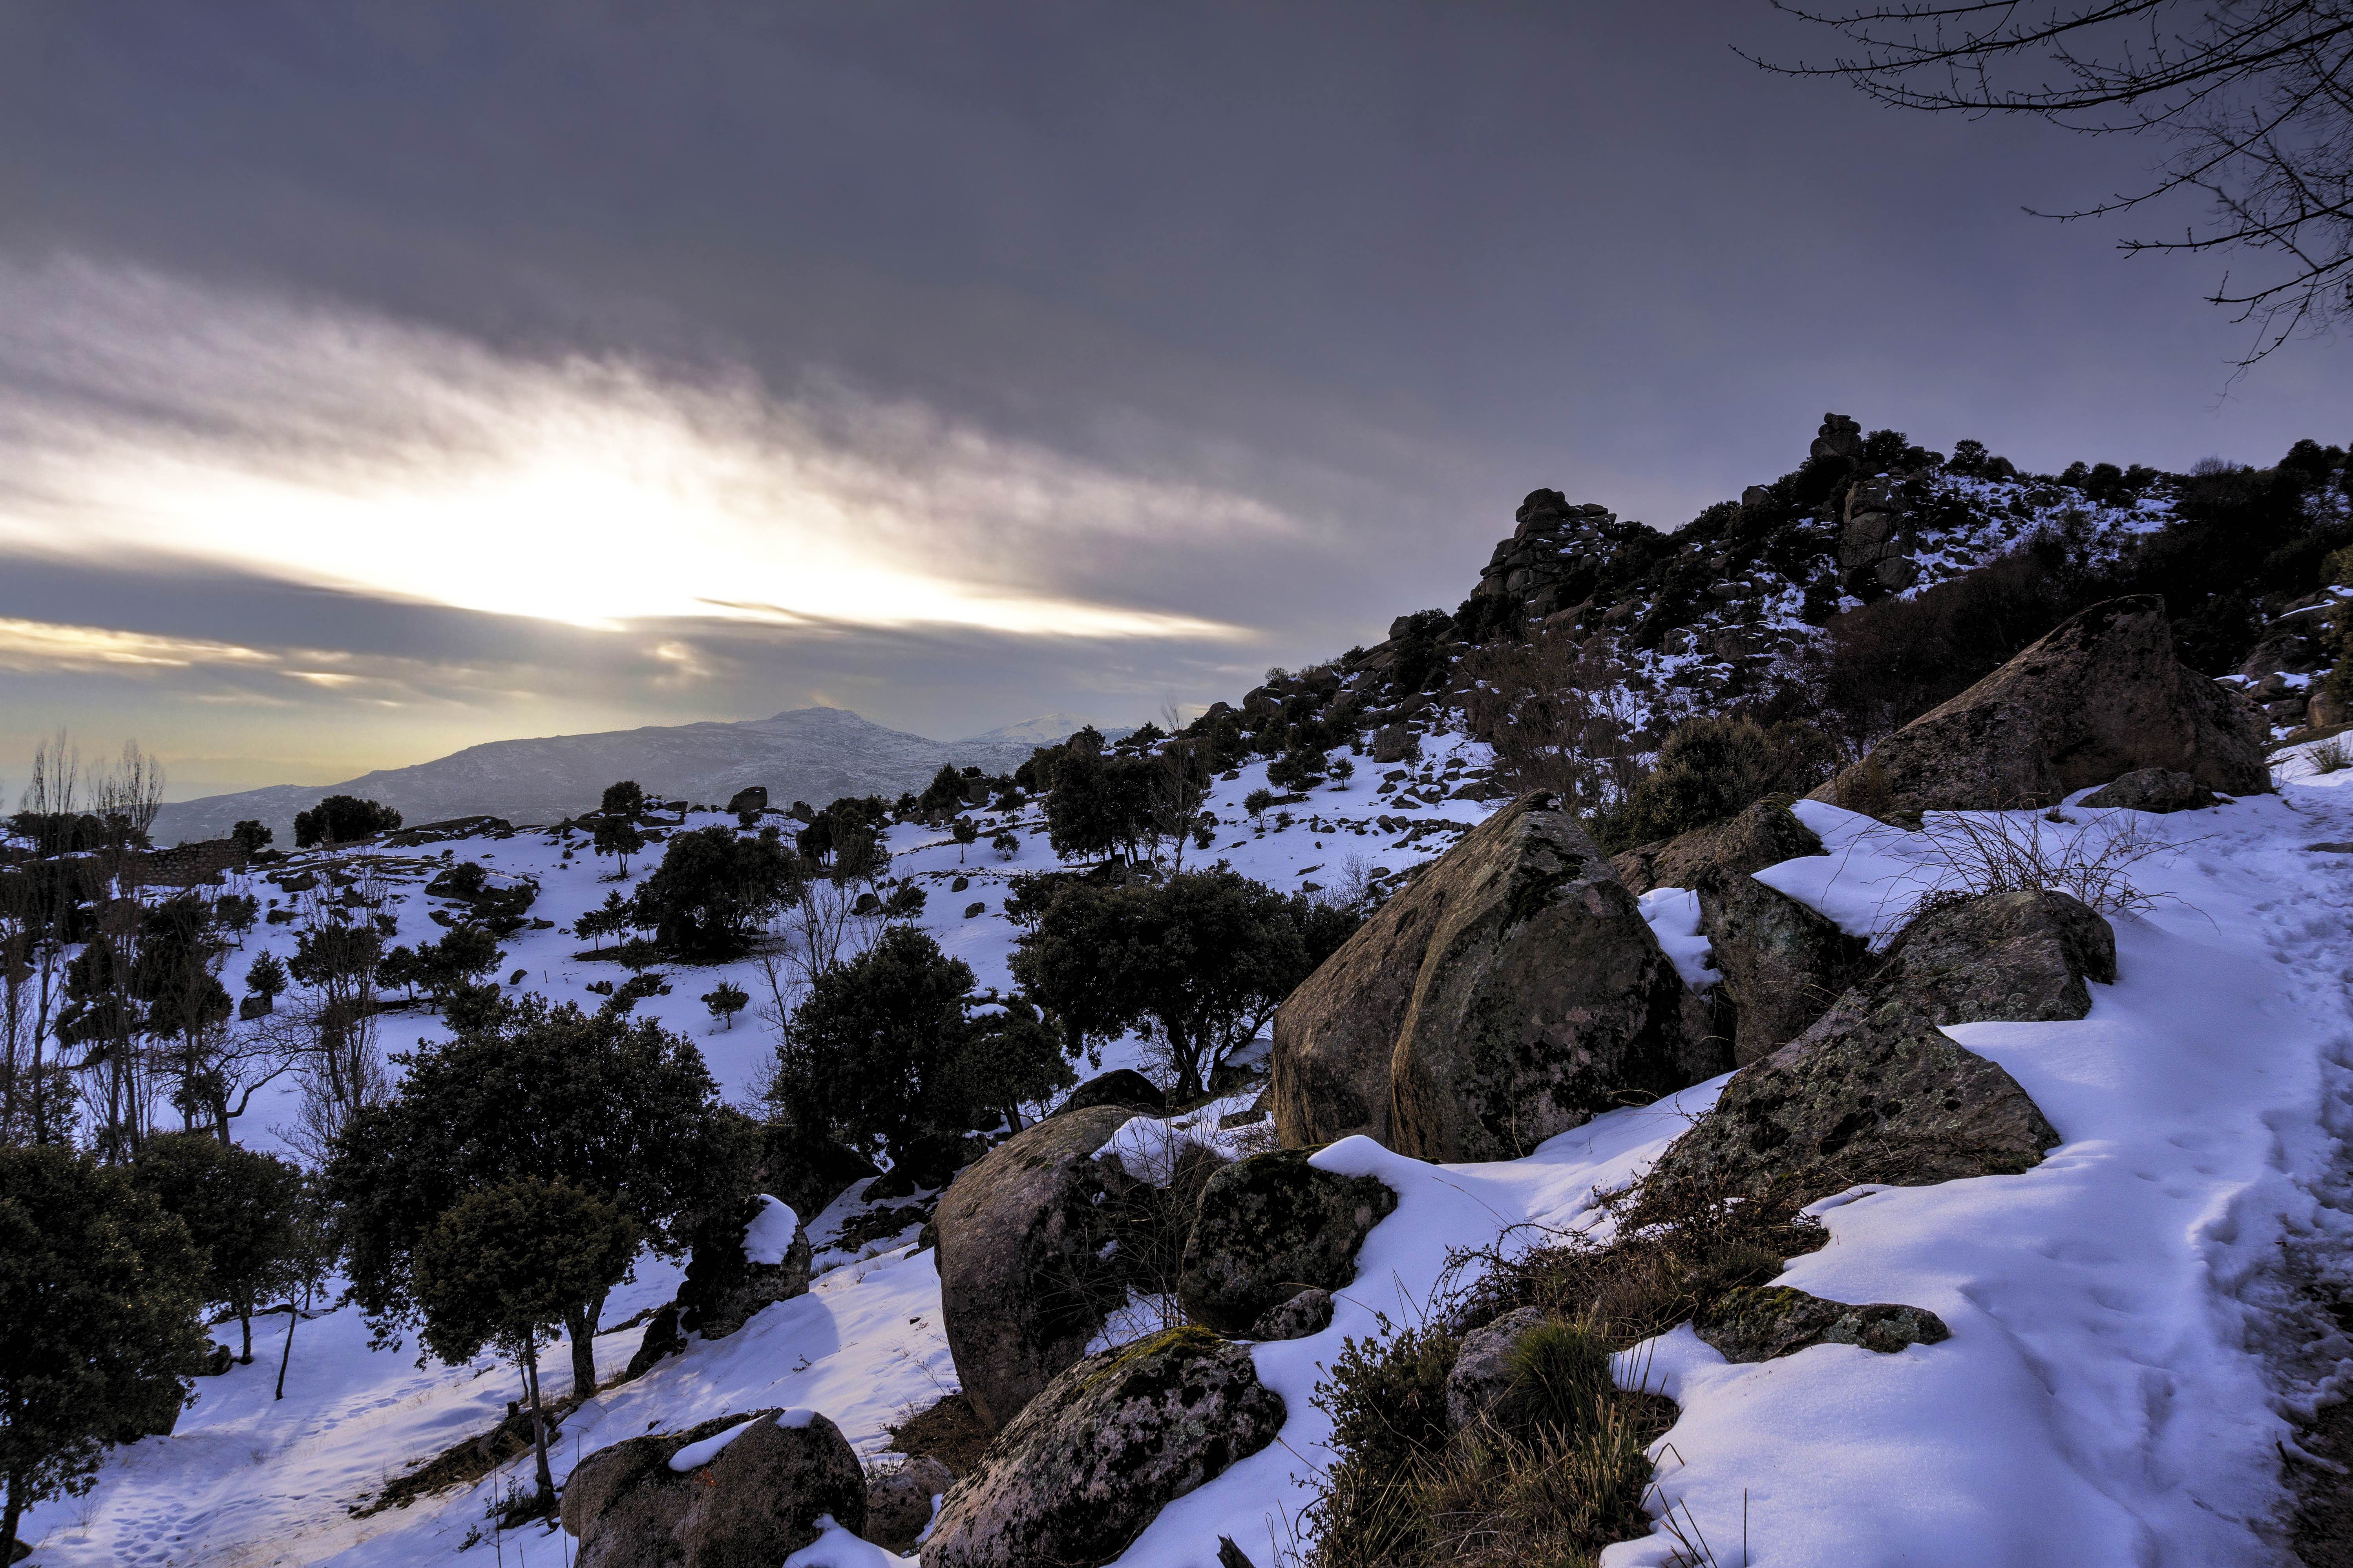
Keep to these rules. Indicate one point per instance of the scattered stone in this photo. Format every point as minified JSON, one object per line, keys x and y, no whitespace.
{"x":1027,"y":1260}
{"x":1783,"y":964}
{"x":216,"y":1362}
{"x":1863,"y":1096}
{"x":2154,"y":790}
{"x":1511,"y":992}
{"x":2020,"y":957}
{"x":1308,"y":1312}
{"x":752,"y":797}
{"x":2100,"y":695}
{"x":1762,"y":1322}
{"x":1079,"y":1474}
{"x":1396,"y":743}
{"x":1123,"y":1087}
{"x":899,"y":1503}
{"x":1269,"y":1224}
{"x":757,"y":1501}
{"x":1766,"y":833}
{"x":1482,"y":1372}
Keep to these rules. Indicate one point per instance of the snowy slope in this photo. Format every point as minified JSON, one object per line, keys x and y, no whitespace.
{"x":2126,"y":1340}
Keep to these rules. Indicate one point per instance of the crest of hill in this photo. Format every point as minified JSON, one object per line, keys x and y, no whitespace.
{"x":806,"y":754}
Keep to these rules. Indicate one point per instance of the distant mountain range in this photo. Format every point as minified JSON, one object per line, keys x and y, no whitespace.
{"x":809,"y":753}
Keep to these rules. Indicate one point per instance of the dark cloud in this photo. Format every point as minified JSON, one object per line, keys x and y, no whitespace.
{"x":1378,"y":269}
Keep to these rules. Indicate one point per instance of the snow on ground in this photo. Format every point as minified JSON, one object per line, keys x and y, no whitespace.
{"x":2125,"y":1354}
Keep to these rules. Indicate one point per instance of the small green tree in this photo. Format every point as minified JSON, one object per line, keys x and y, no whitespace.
{"x":726,"y":1001}
{"x":623,"y":799}
{"x":618,"y":836}
{"x":965,"y":832}
{"x":251,"y":837}
{"x":1006,"y":843}
{"x":236,"y":914}
{"x":343,"y":819}
{"x":1255,"y":803}
{"x":100,"y":1292}
{"x":509,"y":1266}
{"x":240,"y":1208}
{"x":712,"y":889}
{"x":266,"y":977}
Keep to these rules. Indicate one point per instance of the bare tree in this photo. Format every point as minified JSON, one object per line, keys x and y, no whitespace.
{"x":2255,"y":98}
{"x":1180,"y":789}
{"x":1558,"y":718}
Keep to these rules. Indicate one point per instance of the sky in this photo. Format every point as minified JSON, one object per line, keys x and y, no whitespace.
{"x":377,"y":379}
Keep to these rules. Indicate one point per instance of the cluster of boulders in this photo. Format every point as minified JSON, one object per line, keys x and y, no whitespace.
{"x":1512,"y":991}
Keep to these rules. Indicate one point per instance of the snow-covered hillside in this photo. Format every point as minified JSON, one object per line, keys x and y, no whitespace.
{"x":2134,"y":1321}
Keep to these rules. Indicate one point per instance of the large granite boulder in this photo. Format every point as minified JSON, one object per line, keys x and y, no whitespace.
{"x":2100,"y":695}
{"x":668,"y":1501}
{"x":1766,"y":833}
{"x":1881,"y":1095}
{"x":1783,"y":964}
{"x":1092,"y":1460}
{"x":1762,"y":1322}
{"x":1027,"y":1257}
{"x":2016,"y":957}
{"x":1511,"y":992}
{"x":753,"y":1256}
{"x":1268,"y":1226}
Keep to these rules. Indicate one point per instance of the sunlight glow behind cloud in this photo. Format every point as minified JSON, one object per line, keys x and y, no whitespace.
{"x":143,"y":415}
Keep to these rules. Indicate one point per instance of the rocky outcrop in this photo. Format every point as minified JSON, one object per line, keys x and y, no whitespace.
{"x":661,"y":1338}
{"x":1863,"y":1096}
{"x":1268,"y":1226}
{"x":751,"y":798}
{"x":756,"y":1500}
{"x":1123,"y":1087}
{"x":1481,"y":1375}
{"x":2100,"y":695}
{"x":1761,"y":1323}
{"x":1766,"y":833}
{"x":1512,"y":992}
{"x":1308,"y":1312}
{"x":1093,"y":1459}
{"x":1783,"y":964}
{"x":2158,"y":790}
{"x":1029,"y":1267}
{"x":899,"y":1503}
{"x":2018,"y":957}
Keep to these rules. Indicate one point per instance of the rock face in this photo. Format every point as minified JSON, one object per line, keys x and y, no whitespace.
{"x":1077,"y":1476}
{"x":751,"y":798}
{"x":899,"y":1503}
{"x":2154,"y":790}
{"x":662,"y":1339}
{"x":757,"y":1500}
{"x":1512,"y":992}
{"x":723,"y":1288}
{"x":1763,"y":835}
{"x":1123,"y":1087}
{"x":1308,"y":1312}
{"x":1482,"y":1375}
{"x":2022,"y":957}
{"x":1759,"y":1322}
{"x":1266,"y":1226}
{"x":1783,"y":964}
{"x":1025,"y":1280}
{"x":1877,"y":1096}
{"x":2100,"y":695}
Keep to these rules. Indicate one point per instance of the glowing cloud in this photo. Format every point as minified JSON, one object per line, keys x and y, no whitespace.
{"x":141,"y":416}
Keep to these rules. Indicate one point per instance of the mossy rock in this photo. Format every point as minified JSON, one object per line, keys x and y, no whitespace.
{"x":1268,"y":1226}
{"x":1762,"y":1322}
{"x":1092,"y":1460}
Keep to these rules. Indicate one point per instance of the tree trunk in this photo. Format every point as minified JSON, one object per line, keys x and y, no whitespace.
{"x":538,"y":1421}
{"x":293,"y":1318}
{"x":581,"y":1324}
{"x":10,"y":1516}
{"x":245,"y":1322}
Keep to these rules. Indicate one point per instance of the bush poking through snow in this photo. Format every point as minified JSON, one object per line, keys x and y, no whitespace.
{"x":2330,"y":757}
{"x":2007,"y":852}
